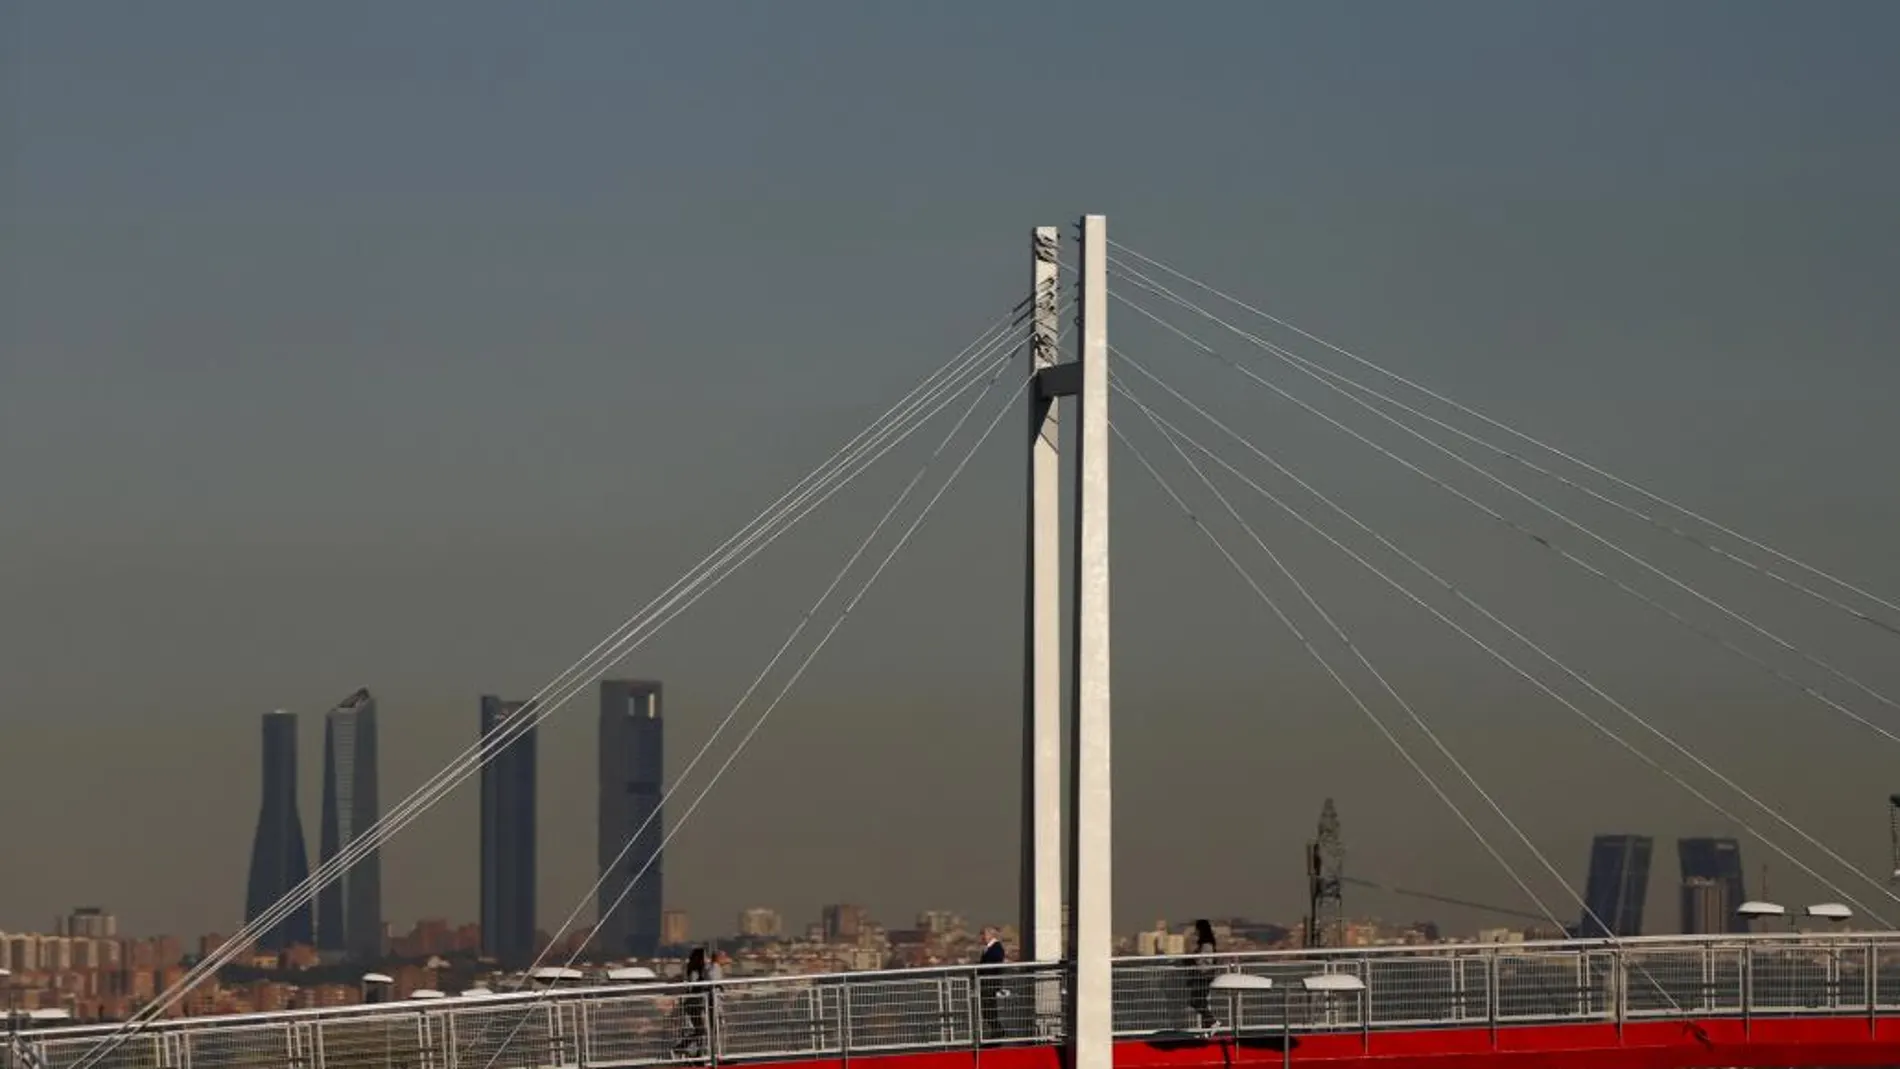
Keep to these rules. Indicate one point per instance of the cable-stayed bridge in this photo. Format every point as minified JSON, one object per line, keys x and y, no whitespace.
{"x":1766,"y":999}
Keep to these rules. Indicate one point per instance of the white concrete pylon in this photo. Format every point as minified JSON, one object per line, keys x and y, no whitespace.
{"x":1041,"y":916}
{"x":1091,"y":868}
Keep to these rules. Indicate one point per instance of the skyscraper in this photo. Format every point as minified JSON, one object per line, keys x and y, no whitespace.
{"x":675,"y":927}
{"x":350,"y":910}
{"x":1617,"y":887}
{"x":632,"y":775}
{"x":279,"y":860}
{"x":508,"y":849}
{"x":1706,"y":909}
{"x":1709,"y":865}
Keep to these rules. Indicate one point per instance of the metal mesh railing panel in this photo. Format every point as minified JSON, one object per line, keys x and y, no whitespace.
{"x":371,"y":1042}
{"x":640,"y":1030}
{"x":1788,"y":979}
{"x":1021,"y":1005}
{"x":1852,"y":973}
{"x":1159,"y":996}
{"x":937,"y":1010}
{"x":240,"y":1048}
{"x":775,"y":1020}
{"x":138,"y":1052}
{"x":1422,"y":990}
{"x":1886,"y":978}
{"x":781,"y":1021}
{"x":519,"y":1036}
{"x":1543,"y":986}
{"x":1671,"y":982}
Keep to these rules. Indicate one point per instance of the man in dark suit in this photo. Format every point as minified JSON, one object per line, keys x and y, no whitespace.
{"x":992,"y":949}
{"x":989,"y":987}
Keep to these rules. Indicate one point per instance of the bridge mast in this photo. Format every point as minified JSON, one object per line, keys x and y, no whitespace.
{"x":1091,"y":936}
{"x":1041,"y":922}
{"x":1090,"y":1016}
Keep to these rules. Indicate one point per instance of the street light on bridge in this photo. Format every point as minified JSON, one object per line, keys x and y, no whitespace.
{"x":1756,"y":910}
{"x":1830,"y":911}
{"x":377,"y":986}
{"x":1328,"y":985}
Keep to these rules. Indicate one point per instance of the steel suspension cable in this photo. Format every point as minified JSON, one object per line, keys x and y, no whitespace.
{"x":804,"y":621}
{"x":1603,"y":729}
{"x":903,"y":540}
{"x":1359,"y":654}
{"x":896,"y":424}
{"x":1514,"y":525}
{"x":682,"y":600}
{"x":1306,"y":643}
{"x":1520,"y":435}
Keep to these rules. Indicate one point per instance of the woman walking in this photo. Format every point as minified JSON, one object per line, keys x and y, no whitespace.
{"x":694,"y":1003}
{"x":1202,"y":969}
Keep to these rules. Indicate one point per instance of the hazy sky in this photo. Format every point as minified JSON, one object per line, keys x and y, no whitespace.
{"x":414,"y":347}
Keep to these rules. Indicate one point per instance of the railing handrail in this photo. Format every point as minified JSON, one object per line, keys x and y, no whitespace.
{"x":1634,"y":942}
{"x":1818,"y":941}
{"x":568,"y":993}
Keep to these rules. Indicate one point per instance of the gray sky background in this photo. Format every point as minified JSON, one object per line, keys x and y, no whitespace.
{"x":415,"y":347}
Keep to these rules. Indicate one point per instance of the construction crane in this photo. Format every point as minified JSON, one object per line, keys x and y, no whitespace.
{"x":1447,"y":900}
{"x":1893,"y":824}
{"x":1325,"y":877}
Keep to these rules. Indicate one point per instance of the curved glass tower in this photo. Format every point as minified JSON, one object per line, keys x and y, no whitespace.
{"x":279,"y":861}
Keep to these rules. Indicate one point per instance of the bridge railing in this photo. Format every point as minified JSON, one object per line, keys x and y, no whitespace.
{"x":850,"y":1014}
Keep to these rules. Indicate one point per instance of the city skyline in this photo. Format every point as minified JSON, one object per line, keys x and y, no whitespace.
{"x":342,"y":351}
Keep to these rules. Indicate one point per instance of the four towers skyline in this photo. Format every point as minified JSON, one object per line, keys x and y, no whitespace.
{"x":347,"y":922}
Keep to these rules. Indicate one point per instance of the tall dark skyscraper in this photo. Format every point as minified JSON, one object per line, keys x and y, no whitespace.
{"x":632,"y":775}
{"x":350,"y":910}
{"x":279,"y":860}
{"x":508,"y":851}
{"x":1617,"y":887}
{"x":1712,"y":885}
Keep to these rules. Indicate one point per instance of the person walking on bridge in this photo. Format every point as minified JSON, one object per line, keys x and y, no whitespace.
{"x":988,"y":990}
{"x":1201,"y":970}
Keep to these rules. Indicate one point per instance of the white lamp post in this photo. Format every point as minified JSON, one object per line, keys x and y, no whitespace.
{"x":377,"y":986}
{"x":1753,"y":911}
{"x":1233,"y":985}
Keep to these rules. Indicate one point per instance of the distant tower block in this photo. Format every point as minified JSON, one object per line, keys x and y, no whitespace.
{"x":350,"y":909}
{"x":279,"y":859}
{"x":632,"y":782}
{"x":508,"y":835}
